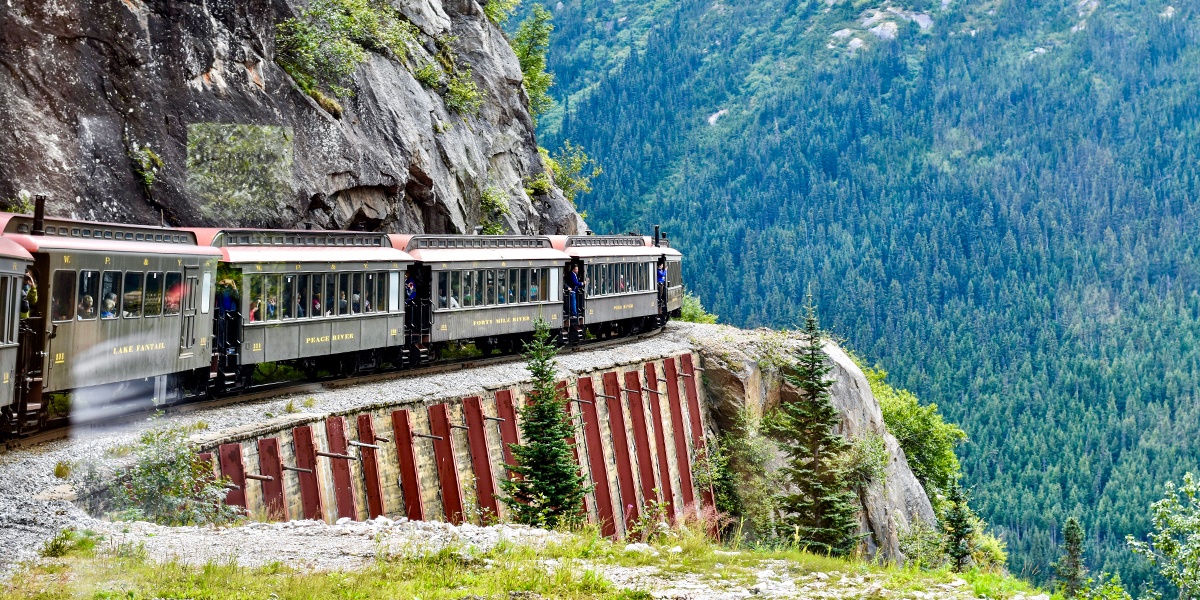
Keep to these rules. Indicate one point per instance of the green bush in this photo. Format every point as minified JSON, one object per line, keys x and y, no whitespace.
{"x":462,"y":95}
{"x":693,"y":310}
{"x":1174,"y":545}
{"x":572,"y":170}
{"x":429,"y":74}
{"x":530,"y":44}
{"x":498,"y":11}
{"x":927,"y":440}
{"x":145,"y":165}
{"x":866,"y":462}
{"x":169,"y":484}
{"x":323,"y":45}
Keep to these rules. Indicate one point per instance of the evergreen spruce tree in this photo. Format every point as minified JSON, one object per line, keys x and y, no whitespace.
{"x":822,"y":511}
{"x":959,"y":526}
{"x":1069,"y":569}
{"x":546,"y":488}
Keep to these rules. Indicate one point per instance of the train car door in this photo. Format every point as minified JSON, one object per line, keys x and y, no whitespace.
{"x":187,"y":333}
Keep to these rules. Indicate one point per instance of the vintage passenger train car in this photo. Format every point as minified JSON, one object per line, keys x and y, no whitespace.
{"x":100,"y":318}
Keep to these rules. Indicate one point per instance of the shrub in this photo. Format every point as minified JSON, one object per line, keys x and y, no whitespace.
{"x":462,"y":96}
{"x":737,"y":467}
{"x":22,"y":204}
{"x":1105,"y":588}
{"x":323,"y":45}
{"x":530,"y":44}
{"x":429,"y":75}
{"x":1174,"y":545}
{"x":62,"y":469}
{"x":923,"y":546}
{"x":693,"y":311}
{"x":169,"y":484}
{"x":145,"y":165}
{"x":866,"y":461}
{"x":570,"y":169}
{"x":493,"y":202}
{"x":498,"y":11}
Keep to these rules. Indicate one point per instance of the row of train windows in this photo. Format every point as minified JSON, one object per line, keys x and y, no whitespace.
{"x":109,"y":234}
{"x":491,"y":287}
{"x":619,"y":278}
{"x":277,"y":297}
{"x":10,"y":300}
{"x":116,"y":294}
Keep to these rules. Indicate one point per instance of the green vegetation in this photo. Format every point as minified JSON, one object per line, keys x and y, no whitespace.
{"x":959,"y":526}
{"x":546,"y":487}
{"x":1012,"y":234}
{"x":1070,"y":570}
{"x":21,"y":205}
{"x":865,"y":462}
{"x":1174,"y":545}
{"x":145,"y":165}
{"x":927,"y":439}
{"x":693,"y":311}
{"x":818,"y":509}
{"x":462,"y":95}
{"x":170,"y":484}
{"x":429,"y":74}
{"x":498,"y":11}
{"x":326,"y":42}
{"x":531,"y":43}
{"x":572,"y":169}
{"x":493,"y":202}
{"x":62,"y":469}
{"x":744,"y":487}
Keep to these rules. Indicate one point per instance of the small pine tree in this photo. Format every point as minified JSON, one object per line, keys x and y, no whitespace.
{"x":959,"y":526}
{"x":822,"y":513}
{"x":548,"y":488}
{"x":1069,"y":570}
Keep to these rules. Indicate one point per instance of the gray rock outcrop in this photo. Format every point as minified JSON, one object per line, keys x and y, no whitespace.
{"x":88,"y":84}
{"x":743,"y":372}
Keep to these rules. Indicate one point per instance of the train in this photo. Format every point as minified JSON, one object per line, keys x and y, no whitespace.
{"x":100,"y":319}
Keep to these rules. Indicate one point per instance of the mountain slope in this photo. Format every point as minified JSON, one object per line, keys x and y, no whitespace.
{"x":995,"y":201}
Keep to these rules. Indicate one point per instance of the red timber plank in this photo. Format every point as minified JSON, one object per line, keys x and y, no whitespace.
{"x":566,"y":399}
{"x":485,"y":480}
{"x":616,"y":424}
{"x":660,"y":439}
{"x":343,"y":488}
{"x":270,"y":463}
{"x":508,"y":427}
{"x":370,"y":466}
{"x":641,"y":438}
{"x":682,"y":457}
{"x":689,"y":386}
{"x":410,"y":483}
{"x":595,"y":451}
{"x":310,"y":486}
{"x":443,"y":451}
{"x":231,"y":466}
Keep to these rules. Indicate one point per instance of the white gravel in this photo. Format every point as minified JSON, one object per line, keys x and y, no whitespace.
{"x":34,"y":504}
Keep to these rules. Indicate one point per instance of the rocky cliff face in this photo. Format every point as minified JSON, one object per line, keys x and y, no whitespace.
{"x":742,"y":373}
{"x":87,"y":85}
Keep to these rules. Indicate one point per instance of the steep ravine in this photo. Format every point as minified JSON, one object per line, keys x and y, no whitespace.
{"x":740,"y":376}
{"x":87,"y":83}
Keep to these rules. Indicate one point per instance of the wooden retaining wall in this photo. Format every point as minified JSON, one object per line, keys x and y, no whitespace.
{"x":639,"y":427}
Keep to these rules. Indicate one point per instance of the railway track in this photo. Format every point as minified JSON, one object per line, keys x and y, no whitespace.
{"x":275,"y":390}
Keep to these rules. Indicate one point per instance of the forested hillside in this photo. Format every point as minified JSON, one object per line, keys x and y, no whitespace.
{"x":996,"y":201}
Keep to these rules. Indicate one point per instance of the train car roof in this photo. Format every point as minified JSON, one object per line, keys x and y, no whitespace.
{"x":11,"y":249}
{"x":35,"y":243}
{"x":456,"y":248}
{"x":73,"y":234}
{"x":300,"y":245}
{"x":587,"y":246}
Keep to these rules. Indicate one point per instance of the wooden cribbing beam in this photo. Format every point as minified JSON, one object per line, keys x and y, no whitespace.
{"x":270,"y":463}
{"x":660,"y":439}
{"x":596,"y":461}
{"x":689,"y":386}
{"x":682,"y":456}
{"x":508,"y":427}
{"x":447,"y":466}
{"x":343,"y":487}
{"x":370,"y":466}
{"x":410,"y":482}
{"x":620,"y":444}
{"x":310,"y":487}
{"x":230,"y":456}
{"x":485,"y":479}
{"x":641,"y":439}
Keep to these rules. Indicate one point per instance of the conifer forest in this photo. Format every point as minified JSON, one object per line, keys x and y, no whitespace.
{"x":995,"y":201}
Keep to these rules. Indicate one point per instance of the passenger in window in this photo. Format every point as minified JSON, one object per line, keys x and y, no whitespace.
{"x":574,"y":287}
{"x":316,"y":305}
{"x":410,"y":290}
{"x":271,"y":307}
{"x":227,"y":295}
{"x":255,"y":311}
{"x":109,"y":310}
{"x":300,"y":312}
{"x":356,"y":302}
{"x":87,"y":308}
{"x":662,"y":275}
{"x":342,"y":304}
{"x":29,"y":294}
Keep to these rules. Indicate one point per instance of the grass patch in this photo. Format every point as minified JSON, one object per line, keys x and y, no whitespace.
{"x":62,"y":469}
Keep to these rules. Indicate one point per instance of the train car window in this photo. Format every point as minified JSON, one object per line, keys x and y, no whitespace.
{"x":502,"y":286}
{"x":5,"y":306}
{"x":287,"y":298}
{"x":390,"y":289}
{"x":524,"y":285}
{"x":270,"y":305}
{"x":490,"y":297}
{"x":356,"y":293}
{"x":62,"y":301}
{"x":89,"y":283}
{"x":330,"y":295}
{"x":205,"y":286}
{"x":514,"y":285}
{"x":152,"y":303}
{"x":455,"y":288}
{"x":254,"y":298}
{"x":173,"y":297}
{"x":468,"y":291}
{"x":131,"y":296}
{"x":343,"y":302}
{"x":315,"y":305}
{"x":303,"y":304}
{"x":536,"y":286}
{"x":555,"y":288}
{"x":368,"y":305}
{"x":480,"y":281}
{"x":110,"y":289}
